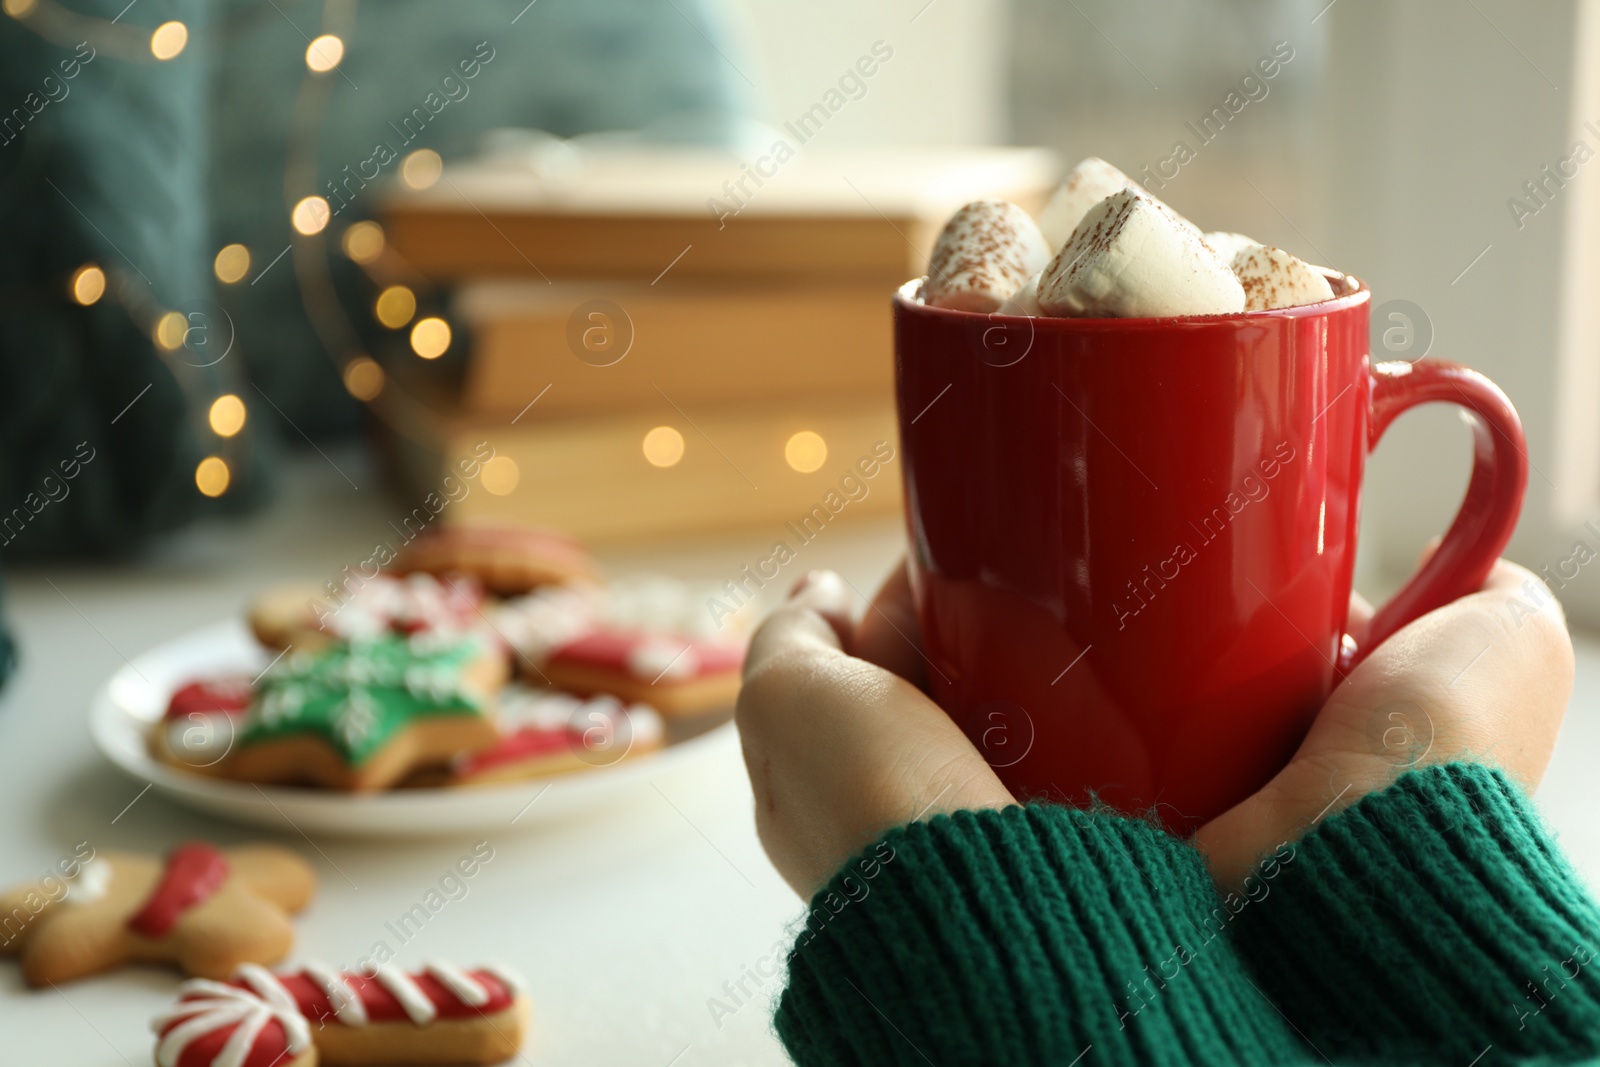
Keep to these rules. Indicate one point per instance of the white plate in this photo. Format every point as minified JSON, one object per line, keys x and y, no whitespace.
{"x":127,"y":707}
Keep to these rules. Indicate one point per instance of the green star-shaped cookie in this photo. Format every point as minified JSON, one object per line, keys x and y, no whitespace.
{"x":357,"y":696}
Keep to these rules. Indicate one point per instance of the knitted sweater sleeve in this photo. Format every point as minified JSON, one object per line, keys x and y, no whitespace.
{"x":1433,"y":922}
{"x":1031,"y":935}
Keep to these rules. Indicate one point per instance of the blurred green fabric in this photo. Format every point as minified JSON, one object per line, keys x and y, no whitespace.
{"x":147,"y":168}
{"x":111,"y":170}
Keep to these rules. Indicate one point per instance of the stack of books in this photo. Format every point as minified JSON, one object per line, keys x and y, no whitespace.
{"x":669,"y":342}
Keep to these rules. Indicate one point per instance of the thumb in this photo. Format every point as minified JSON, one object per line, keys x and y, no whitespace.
{"x":840,"y":750}
{"x":815,"y":618}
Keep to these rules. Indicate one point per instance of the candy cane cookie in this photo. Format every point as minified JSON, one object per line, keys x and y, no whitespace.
{"x":207,"y":910}
{"x":442,"y":1014}
{"x":218,"y":1025}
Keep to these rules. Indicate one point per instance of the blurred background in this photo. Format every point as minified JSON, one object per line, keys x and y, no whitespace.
{"x":270,"y":268}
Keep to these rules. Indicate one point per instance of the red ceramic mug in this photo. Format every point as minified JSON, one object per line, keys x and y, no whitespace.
{"x":1131,"y":540}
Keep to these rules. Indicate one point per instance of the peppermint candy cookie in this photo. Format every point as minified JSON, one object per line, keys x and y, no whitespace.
{"x":509,"y":560}
{"x":207,"y":910}
{"x":361,"y":716}
{"x":442,"y":1014}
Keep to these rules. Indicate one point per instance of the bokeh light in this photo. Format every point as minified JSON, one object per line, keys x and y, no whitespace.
{"x":170,"y":330}
{"x":806,"y":451}
{"x":324,"y":53}
{"x":227,"y":415}
{"x":663,"y":446}
{"x":212,"y":476}
{"x":310,"y":215}
{"x":363,"y":378}
{"x":500,"y":475}
{"x":363,"y":242}
{"x":169,"y":40}
{"x":421,"y":168}
{"x":232,"y":263}
{"x":88,"y":284}
{"x":395,"y":306}
{"x":430,"y":338}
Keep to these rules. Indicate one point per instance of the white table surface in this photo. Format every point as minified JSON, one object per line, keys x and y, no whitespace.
{"x":625,"y":924}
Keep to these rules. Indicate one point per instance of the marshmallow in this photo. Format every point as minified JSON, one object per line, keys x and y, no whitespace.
{"x":1025,"y":301}
{"x":1228,"y":245}
{"x":1133,"y":257}
{"x":1090,"y":182}
{"x":983,"y":255}
{"x":1272,"y":278}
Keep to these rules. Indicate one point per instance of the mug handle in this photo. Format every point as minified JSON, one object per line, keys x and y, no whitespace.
{"x":1489,"y":511}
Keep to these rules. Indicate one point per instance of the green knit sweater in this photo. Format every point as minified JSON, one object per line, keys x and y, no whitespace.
{"x":1434,"y":922}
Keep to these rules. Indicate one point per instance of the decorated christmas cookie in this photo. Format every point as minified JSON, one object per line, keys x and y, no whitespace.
{"x":227,"y":694}
{"x":286,"y":615}
{"x":643,"y":645}
{"x":442,"y":1014}
{"x":305,"y":616}
{"x":675,"y":674}
{"x":198,"y":729}
{"x":544,"y":733}
{"x":538,"y":623}
{"x":508,"y":560}
{"x":218,"y":1025}
{"x":658,"y":604}
{"x":363,"y":715}
{"x":207,"y":910}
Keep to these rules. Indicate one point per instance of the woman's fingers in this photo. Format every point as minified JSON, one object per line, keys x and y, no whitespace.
{"x":817,"y":614}
{"x":838,"y":749}
{"x":1498,"y":663}
{"x":1500,"y":656}
{"x":889,"y":634}
{"x":1485,"y":678}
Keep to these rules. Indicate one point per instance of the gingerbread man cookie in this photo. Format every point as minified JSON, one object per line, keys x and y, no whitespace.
{"x":364,"y":715}
{"x":508,"y":560}
{"x":442,"y":1014}
{"x":207,"y":910}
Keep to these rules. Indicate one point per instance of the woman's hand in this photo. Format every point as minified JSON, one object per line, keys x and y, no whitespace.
{"x":1485,"y":678}
{"x":840,"y":746}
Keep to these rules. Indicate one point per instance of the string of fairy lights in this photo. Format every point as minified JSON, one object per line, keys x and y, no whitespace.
{"x":310,"y":217}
